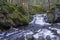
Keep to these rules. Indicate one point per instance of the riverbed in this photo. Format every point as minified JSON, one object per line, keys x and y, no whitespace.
{"x":38,"y":29}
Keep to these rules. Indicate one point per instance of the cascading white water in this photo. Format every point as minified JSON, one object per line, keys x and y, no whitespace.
{"x":39,"y":19}
{"x":44,"y":33}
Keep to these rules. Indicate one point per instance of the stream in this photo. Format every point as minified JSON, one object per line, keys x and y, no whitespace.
{"x":38,"y":29}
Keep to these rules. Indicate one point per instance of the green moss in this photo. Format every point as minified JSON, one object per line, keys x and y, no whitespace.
{"x":12,"y":12}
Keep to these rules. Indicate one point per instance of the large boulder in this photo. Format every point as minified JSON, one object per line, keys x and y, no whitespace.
{"x":29,"y":37}
{"x":41,"y":38}
{"x":48,"y":37}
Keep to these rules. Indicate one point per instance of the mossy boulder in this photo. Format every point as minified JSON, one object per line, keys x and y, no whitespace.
{"x":41,"y":38}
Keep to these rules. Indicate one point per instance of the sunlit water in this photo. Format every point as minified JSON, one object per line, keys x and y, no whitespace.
{"x":38,"y":19}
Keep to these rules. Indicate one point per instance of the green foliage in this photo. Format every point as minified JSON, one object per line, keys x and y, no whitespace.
{"x":13,"y":13}
{"x":36,"y":8}
{"x":51,"y":12}
{"x":58,"y":5}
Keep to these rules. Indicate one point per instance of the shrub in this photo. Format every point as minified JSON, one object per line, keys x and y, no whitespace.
{"x":35,"y":8}
{"x":12,"y":14}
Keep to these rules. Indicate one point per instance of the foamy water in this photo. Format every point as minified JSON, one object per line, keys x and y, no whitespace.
{"x":39,"y":19}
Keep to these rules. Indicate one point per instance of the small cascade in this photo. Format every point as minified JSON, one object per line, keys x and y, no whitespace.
{"x":33,"y":32}
{"x":40,"y":19}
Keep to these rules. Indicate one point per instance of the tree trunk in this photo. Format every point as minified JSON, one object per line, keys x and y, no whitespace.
{"x":49,"y":3}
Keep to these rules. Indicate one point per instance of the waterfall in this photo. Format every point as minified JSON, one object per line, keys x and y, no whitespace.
{"x":33,"y":33}
{"x":40,"y":19}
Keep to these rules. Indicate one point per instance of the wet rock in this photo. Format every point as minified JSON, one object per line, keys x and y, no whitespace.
{"x":54,"y":30}
{"x":48,"y":37}
{"x":41,"y":38}
{"x":29,"y":37}
{"x":54,"y":38}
